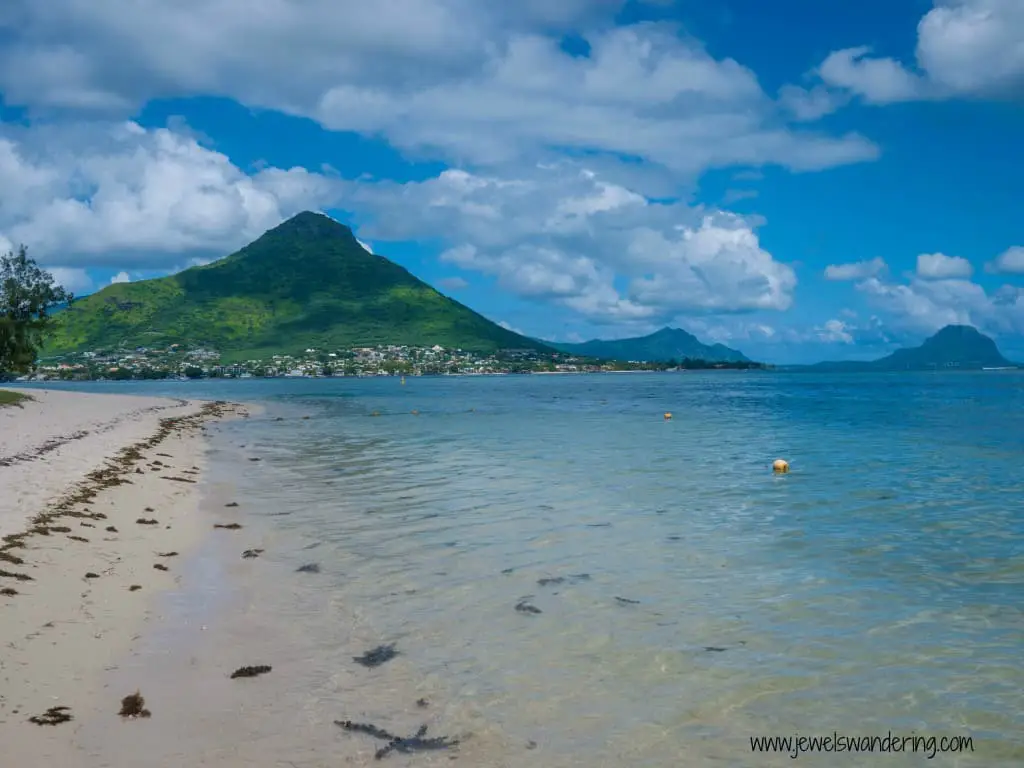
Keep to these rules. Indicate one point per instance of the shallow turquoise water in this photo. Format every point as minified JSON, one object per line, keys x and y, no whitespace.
{"x":878,"y":587}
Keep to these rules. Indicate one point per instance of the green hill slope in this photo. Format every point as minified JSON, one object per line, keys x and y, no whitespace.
{"x":305,"y":283}
{"x":658,"y":347}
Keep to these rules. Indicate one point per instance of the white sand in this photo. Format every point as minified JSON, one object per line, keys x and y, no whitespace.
{"x":62,"y":629}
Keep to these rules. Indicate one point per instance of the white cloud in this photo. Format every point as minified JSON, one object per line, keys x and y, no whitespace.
{"x":564,"y":235}
{"x":857,"y":270}
{"x":366,"y":246}
{"x":835,"y":331}
{"x":75,"y":280}
{"x":121,"y":277}
{"x":455,"y":283}
{"x":808,"y":104}
{"x":481,"y":83}
{"x":509,"y":327}
{"x":1009,"y":262}
{"x":938,"y":266}
{"x":122,"y":196}
{"x":964,"y":48}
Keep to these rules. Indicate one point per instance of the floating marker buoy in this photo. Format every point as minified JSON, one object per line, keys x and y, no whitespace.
{"x":375,"y":413}
{"x":668,"y":417}
{"x":415,"y":413}
{"x":780,"y":465}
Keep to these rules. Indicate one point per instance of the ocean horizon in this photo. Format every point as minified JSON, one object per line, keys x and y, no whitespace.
{"x":570,"y":579}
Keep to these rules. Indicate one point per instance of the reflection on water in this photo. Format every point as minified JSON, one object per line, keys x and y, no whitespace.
{"x":876,"y":588}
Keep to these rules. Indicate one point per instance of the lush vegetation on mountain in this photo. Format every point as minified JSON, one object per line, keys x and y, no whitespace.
{"x":955,"y":347}
{"x":660,"y":346}
{"x":306,"y":283}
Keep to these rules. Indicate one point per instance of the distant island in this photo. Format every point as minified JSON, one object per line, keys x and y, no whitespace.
{"x":664,"y":346}
{"x":955,"y":347}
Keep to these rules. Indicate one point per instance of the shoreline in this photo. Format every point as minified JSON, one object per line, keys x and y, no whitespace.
{"x":101,"y":500}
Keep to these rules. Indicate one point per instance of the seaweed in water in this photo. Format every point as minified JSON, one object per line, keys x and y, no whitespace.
{"x":166,"y":554}
{"x":52,"y":716}
{"x":626,"y":601}
{"x":231,"y":504}
{"x":715,"y":649}
{"x":249,"y":554}
{"x":8,"y":592}
{"x":160,"y":567}
{"x":60,"y":529}
{"x":91,"y":575}
{"x":144,"y":521}
{"x":524,"y":607}
{"x":134,"y":705}
{"x":12,"y":559}
{"x":134,"y":587}
{"x":378,"y":656}
{"x":405,"y":745}
{"x":549,"y":581}
{"x":111,"y":529}
{"x":18,"y":576}
{"x":228,"y":526}
{"x":78,"y":538}
{"x":308,"y":568}
{"x":259,"y":669}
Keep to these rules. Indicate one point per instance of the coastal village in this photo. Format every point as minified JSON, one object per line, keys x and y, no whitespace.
{"x":175,"y":361}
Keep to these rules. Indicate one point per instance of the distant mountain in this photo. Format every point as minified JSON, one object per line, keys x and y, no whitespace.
{"x":660,"y":346}
{"x":955,"y":347}
{"x":306,"y":283}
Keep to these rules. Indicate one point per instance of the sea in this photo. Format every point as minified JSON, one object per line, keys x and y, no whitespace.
{"x":569,"y":578}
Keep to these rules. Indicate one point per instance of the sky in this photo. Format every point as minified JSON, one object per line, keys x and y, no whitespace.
{"x":801,"y":180}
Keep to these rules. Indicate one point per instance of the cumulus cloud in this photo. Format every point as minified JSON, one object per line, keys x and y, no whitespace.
{"x":938,"y":266}
{"x":965,"y":48}
{"x":1009,"y":262}
{"x":562,"y":234}
{"x":857,"y":270}
{"x":124,"y":196}
{"x":835,"y":331}
{"x":121,"y":277}
{"x":483,"y":83}
{"x":77,"y":281}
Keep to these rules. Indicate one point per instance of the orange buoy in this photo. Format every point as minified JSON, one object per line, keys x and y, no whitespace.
{"x":668,"y":417}
{"x":781,"y":466}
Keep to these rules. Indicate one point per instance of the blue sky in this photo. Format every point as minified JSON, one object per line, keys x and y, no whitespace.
{"x":800,"y":180}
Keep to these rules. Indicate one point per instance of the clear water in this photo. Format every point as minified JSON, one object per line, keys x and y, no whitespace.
{"x":878,"y":587}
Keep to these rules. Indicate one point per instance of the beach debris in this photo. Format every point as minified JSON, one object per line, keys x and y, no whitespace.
{"x":231,"y":504}
{"x":87,"y":525}
{"x":8,"y":592}
{"x":160,"y":567}
{"x":523,"y":606}
{"x":60,"y":529}
{"x":377,"y":656}
{"x":18,"y":576}
{"x":12,"y":559}
{"x":111,"y":529}
{"x":668,"y":416}
{"x":227,"y":526}
{"x":780,"y":466}
{"x":78,"y":538}
{"x":134,"y":705}
{"x":166,"y":554}
{"x":626,"y":601}
{"x":422,"y":703}
{"x":53,"y":716}
{"x":149,"y":509}
{"x":254,"y":458}
{"x":178,"y":479}
{"x":134,"y":587}
{"x":165,"y":455}
{"x":249,"y":554}
{"x":148,"y":521}
{"x":308,"y":568}
{"x":715,"y":649}
{"x":546,"y":582}
{"x":259,"y":669}
{"x":91,"y":575}
{"x":418,"y":742}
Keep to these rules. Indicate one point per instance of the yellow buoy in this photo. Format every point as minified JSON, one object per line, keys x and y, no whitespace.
{"x":780,"y":465}
{"x":668,"y":417}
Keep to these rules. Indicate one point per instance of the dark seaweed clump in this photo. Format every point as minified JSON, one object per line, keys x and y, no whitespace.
{"x":134,"y":705}
{"x":403,"y":744}
{"x":91,"y":575}
{"x":249,"y":554}
{"x":134,"y":587}
{"x":260,"y":669}
{"x":166,"y":554}
{"x":160,"y":567}
{"x":149,"y":521}
{"x":231,"y":504}
{"x":228,"y":526}
{"x":524,"y":607}
{"x":8,"y":592}
{"x":308,"y":568}
{"x":52,"y":716}
{"x":378,"y":656}
{"x":626,"y":601}
{"x":78,"y":538}
{"x":111,"y":529}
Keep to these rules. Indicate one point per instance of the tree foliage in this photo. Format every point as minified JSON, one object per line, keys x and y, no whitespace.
{"x":27,"y":295}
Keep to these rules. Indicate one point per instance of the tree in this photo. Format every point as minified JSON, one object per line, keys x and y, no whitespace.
{"x":27,"y":294}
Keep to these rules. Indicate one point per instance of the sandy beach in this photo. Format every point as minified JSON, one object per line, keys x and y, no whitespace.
{"x":98,"y":500}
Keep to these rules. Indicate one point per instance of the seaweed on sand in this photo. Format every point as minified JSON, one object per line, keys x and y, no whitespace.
{"x":149,"y":521}
{"x":18,"y":576}
{"x":8,"y":592}
{"x":406,"y":745}
{"x":52,"y":716}
{"x":308,"y":568}
{"x":166,"y":554}
{"x":111,"y":529}
{"x":249,"y":554}
{"x":231,"y":504}
{"x":259,"y":669}
{"x":134,"y":587}
{"x":378,"y":656}
{"x":134,"y":705}
{"x":160,"y":567}
{"x":228,"y":526}
{"x":524,"y":607}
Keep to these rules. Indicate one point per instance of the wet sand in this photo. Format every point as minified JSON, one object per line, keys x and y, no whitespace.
{"x":99,"y":501}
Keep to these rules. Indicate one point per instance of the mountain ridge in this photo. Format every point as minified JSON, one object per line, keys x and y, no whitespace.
{"x":307,"y":282}
{"x":661,"y":346}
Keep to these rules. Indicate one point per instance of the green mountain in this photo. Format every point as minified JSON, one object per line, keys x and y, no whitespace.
{"x":660,"y":346}
{"x":305,"y":283}
{"x":956,"y":347}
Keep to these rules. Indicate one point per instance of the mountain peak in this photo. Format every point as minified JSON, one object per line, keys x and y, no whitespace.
{"x":310,"y":223}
